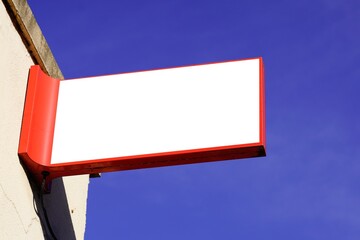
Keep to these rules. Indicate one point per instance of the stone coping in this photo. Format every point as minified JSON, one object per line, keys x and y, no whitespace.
{"x":32,"y":36}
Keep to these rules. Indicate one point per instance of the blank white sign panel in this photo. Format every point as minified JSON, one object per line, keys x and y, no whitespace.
{"x":157,"y":111}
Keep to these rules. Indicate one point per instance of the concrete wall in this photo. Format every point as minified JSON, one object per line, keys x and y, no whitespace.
{"x":22,"y":45}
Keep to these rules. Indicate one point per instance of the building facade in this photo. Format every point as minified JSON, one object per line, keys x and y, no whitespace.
{"x":21,"y":217}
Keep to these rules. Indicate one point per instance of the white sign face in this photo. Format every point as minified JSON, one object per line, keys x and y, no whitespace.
{"x":158,"y":111}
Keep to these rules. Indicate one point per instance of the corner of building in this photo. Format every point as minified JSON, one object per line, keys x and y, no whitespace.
{"x":23,"y":45}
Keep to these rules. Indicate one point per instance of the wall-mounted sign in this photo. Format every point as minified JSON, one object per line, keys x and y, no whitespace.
{"x":144,"y":119}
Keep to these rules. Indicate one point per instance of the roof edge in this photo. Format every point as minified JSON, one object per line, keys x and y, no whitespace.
{"x":32,"y":36}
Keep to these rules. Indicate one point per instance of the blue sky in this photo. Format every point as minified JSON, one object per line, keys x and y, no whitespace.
{"x":308,"y":185}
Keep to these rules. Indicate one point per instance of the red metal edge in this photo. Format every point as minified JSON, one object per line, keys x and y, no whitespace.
{"x":262,"y":126}
{"x":171,"y":67}
{"x":37,"y":130}
{"x":159,"y":160}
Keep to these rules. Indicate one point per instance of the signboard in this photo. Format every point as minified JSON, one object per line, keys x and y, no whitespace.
{"x":143,"y":119}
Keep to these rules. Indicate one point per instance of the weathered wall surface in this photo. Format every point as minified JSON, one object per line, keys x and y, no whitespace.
{"x":66,"y":205}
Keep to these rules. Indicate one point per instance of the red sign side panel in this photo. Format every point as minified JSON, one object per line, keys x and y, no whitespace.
{"x":38,"y":122}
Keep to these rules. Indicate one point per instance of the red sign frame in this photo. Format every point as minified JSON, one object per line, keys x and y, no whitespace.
{"x":37,"y":135}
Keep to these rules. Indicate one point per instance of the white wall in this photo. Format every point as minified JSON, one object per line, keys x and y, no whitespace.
{"x":67,"y":202}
